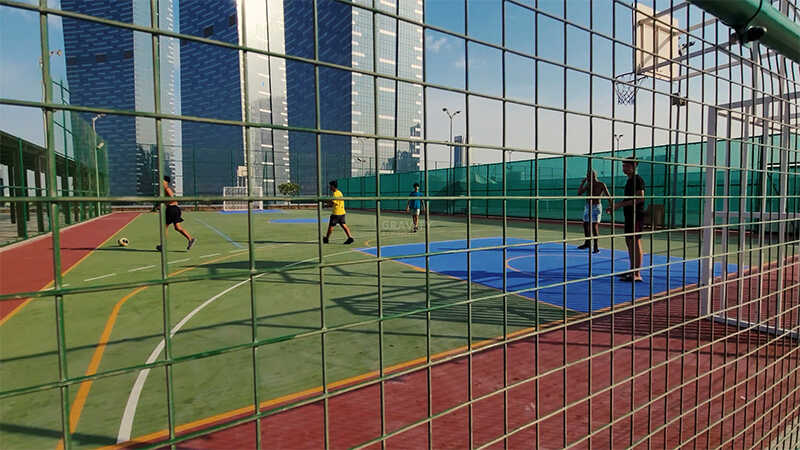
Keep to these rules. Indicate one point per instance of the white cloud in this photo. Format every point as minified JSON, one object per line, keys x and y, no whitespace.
{"x":435,"y":45}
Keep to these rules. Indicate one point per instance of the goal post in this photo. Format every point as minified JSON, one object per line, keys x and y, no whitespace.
{"x":235,"y":198}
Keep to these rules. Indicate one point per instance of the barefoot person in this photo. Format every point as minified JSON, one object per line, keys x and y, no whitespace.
{"x":593,"y":211}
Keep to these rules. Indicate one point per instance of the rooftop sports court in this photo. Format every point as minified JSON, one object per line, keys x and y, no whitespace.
{"x":489,"y":326}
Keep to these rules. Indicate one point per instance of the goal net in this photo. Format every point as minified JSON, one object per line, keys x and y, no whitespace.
{"x":236,"y":198}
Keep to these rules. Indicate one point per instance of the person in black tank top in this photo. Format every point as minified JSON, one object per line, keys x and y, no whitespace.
{"x":634,"y":209}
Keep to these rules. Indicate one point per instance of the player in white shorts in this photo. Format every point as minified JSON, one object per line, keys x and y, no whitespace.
{"x":593,"y":211}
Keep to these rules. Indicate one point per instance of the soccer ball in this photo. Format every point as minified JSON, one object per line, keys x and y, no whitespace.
{"x":123,"y":242}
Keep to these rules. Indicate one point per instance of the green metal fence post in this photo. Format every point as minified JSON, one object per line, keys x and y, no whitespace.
{"x":194,"y":176}
{"x":165,"y":297}
{"x":65,"y":177}
{"x":22,"y":191}
{"x":58,"y":299}
{"x":37,"y":180}
{"x":248,"y":161}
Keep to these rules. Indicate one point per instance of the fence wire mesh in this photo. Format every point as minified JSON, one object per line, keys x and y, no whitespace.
{"x":480,"y":321}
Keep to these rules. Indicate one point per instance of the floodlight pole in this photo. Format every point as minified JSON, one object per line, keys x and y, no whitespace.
{"x":452,"y":149}
{"x":450,"y":116}
{"x":95,"y":148}
{"x":618,"y":137}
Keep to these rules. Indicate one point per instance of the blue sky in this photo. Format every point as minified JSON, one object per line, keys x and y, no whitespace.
{"x":446,"y":64}
{"x":20,"y":76}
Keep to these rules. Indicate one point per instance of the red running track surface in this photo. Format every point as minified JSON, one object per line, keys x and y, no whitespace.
{"x":28,"y":267}
{"x":711,"y":382}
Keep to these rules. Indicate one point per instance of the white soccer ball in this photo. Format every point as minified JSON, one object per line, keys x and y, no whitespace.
{"x":123,"y":242}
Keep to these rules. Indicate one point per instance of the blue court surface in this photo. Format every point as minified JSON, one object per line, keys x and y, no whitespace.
{"x":522,"y":273}
{"x":293,"y":221}
{"x":255,"y":211}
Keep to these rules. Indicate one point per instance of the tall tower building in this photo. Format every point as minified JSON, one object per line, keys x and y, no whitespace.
{"x":100,"y":71}
{"x":213,"y":79}
{"x":112,"y":67}
{"x":210,"y":87}
{"x":347,"y":99}
{"x":399,"y":47}
{"x":266,"y":93}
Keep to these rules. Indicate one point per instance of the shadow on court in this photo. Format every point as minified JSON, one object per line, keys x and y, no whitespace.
{"x":77,"y":438}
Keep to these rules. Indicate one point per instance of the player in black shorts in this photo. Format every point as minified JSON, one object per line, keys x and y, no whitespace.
{"x":337,"y":215}
{"x":634,"y":217}
{"x":173,"y":216}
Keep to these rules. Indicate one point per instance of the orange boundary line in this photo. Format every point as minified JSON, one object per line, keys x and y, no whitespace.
{"x":149,"y":438}
{"x":153,"y":437}
{"x":312,"y":391}
{"x":83,"y":391}
{"x":64,"y":273}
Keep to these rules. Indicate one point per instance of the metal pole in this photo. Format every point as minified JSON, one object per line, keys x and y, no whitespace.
{"x":61,"y":342}
{"x":707,"y":240}
{"x":94,"y":154}
{"x":450,"y":173}
{"x":674,"y":183}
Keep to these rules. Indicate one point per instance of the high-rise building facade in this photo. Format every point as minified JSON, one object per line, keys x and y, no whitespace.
{"x":335,"y":46}
{"x":100,"y":71}
{"x":218,"y":81}
{"x":266,"y":93}
{"x":399,"y":104}
{"x":202,"y":80}
{"x":112,"y":67}
{"x":210,"y":87}
{"x":347,"y":37}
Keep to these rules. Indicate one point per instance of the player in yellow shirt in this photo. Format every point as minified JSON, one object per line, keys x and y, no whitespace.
{"x":337,"y":215}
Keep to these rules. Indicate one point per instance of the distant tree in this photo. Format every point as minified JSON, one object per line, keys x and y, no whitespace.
{"x":289,"y":188}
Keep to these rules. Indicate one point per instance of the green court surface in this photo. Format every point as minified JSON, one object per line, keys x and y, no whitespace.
{"x":215,"y":314}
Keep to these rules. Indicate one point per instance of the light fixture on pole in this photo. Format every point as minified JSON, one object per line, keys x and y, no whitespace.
{"x":618,"y":137}
{"x":450,"y":116}
{"x":450,"y":169}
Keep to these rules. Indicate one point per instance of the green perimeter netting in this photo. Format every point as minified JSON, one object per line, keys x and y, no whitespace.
{"x":674,"y":185}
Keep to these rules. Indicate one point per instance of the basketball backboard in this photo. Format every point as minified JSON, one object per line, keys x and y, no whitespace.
{"x":656,"y":40}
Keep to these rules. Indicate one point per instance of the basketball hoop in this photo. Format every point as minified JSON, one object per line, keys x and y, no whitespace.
{"x":625,"y":86}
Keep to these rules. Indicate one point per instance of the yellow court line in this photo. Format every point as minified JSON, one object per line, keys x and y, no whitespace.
{"x":64,"y":273}
{"x":312,"y":391}
{"x":83,"y":391}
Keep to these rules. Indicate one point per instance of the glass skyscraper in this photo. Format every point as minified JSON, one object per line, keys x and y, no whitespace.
{"x":202,"y":80}
{"x":112,"y":67}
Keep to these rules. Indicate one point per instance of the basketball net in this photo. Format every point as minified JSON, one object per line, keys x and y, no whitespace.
{"x":625,"y":87}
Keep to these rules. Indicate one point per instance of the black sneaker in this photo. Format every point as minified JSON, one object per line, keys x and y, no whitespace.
{"x":324,"y":240}
{"x":585,"y":245}
{"x":349,"y":240}
{"x":191,"y":243}
{"x":596,"y":250}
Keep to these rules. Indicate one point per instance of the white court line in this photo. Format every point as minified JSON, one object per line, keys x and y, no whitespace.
{"x":126,"y":424}
{"x":142,"y":268}
{"x":101,"y":276}
{"x":179,"y":261}
{"x":210,"y":255}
